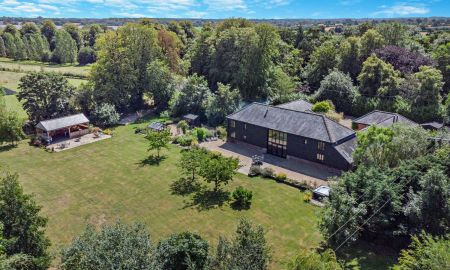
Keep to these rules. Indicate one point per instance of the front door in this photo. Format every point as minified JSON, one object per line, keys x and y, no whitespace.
{"x":277,"y":143}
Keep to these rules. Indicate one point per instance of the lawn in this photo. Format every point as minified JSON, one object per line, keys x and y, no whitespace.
{"x":106,"y":181}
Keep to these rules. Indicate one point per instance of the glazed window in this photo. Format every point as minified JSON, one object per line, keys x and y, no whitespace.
{"x":232,"y":123}
{"x":321,"y":157}
{"x":233,"y":135}
{"x":321,"y":146}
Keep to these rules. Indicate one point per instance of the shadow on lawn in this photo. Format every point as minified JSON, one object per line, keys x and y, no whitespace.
{"x":152,"y":160}
{"x":185,"y":186}
{"x":206,"y":199}
{"x":239,"y":207}
{"x":7,"y":147}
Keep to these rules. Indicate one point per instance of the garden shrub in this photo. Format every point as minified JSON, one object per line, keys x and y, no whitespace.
{"x":242,"y":197}
{"x":184,"y":140}
{"x":105,"y":115}
{"x":107,"y":131}
{"x":183,"y":125}
{"x":164,"y":114}
{"x":307,"y":196}
{"x":323,"y":106}
{"x":221,"y":133}
{"x":281,"y":177}
{"x":200,"y":133}
{"x":267,"y":172}
{"x":255,"y":170}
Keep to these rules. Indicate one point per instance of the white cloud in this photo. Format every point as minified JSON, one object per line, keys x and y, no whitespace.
{"x":195,"y":14}
{"x":225,"y":5}
{"x":401,"y":10}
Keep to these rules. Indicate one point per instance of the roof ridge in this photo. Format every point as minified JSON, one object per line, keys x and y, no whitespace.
{"x":327,"y":128}
{"x":61,"y":117}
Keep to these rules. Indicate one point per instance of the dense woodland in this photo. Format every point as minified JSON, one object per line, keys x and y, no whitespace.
{"x":399,"y":188}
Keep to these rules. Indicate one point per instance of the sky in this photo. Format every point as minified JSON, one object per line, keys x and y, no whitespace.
{"x":212,"y":9}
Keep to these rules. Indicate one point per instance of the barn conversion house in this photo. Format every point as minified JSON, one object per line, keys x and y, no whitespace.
{"x":291,"y":130}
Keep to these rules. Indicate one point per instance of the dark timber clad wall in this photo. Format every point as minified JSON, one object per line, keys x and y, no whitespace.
{"x":295,"y":146}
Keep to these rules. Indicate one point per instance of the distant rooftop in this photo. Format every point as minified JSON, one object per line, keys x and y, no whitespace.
{"x":382,"y":118}
{"x":297,"y":105}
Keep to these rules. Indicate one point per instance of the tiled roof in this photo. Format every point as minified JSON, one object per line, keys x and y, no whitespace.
{"x":347,"y":148}
{"x":190,"y":116}
{"x":62,"y":122}
{"x":383,"y":119}
{"x":158,"y":126}
{"x":305,"y":124}
{"x":297,"y":105}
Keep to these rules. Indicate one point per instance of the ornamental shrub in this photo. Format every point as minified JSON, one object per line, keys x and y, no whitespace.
{"x":267,"y":172}
{"x":242,"y":197}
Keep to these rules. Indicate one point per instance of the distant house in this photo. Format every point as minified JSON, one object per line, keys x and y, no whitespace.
{"x":291,"y":131}
{"x":380,"y":118}
{"x":433,"y":126}
{"x":157,"y":126}
{"x":192,"y":119}
{"x":69,"y":126}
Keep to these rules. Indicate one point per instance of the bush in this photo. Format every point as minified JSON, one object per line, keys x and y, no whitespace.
{"x":107,"y":132}
{"x":201,"y":134}
{"x":307,"y":196}
{"x":184,"y":140}
{"x":255,"y":170}
{"x":86,"y":55}
{"x":242,"y":197}
{"x":105,"y":115}
{"x":164,"y":114}
{"x":183,"y":125}
{"x":281,"y":177}
{"x":323,"y":106}
{"x":221,"y":133}
{"x":267,"y":172}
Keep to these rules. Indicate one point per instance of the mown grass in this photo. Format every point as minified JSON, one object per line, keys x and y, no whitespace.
{"x":106,"y":181}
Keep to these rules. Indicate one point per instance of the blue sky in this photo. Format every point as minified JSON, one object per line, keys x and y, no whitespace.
{"x":276,"y":9}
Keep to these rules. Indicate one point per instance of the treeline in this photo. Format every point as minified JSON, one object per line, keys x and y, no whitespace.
{"x":425,"y":22}
{"x":44,"y":42}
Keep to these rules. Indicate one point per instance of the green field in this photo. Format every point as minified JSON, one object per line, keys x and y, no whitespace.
{"x":27,"y":66}
{"x":106,"y":181}
{"x":10,"y":79}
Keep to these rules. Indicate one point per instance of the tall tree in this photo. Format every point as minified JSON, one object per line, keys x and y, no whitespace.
{"x":48,"y":29}
{"x":181,"y":251}
{"x":74,"y":32}
{"x":2,"y":48}
{"x":65,"y":48}
{"x":370,"y":41}
{"x":45,"y":95}
{"x":117,"y":246}
{"x":171,"y":47}
{"x":394,"y":33}
{"x":337,"y":87}
{"x":161,"y":84}
{"x":378,"y":78}
{"x":23,"y":228}
{"x":350,"y":57}
{"x":158,"y":140}
{"x":191,"y":98}
{"x":323,"y":60}
{"x":442,"y":57}
{"x":29,"y":28}
{"x":120,"y":75}
{"x":402,"y":59}
{"x":218,"y":169}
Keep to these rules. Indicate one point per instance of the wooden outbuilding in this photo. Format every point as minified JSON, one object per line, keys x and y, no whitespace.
{"x":71,"y":126}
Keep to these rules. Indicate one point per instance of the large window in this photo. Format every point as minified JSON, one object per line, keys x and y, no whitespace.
{"x":277,"y":143}
{"x":232,"y":123}
{"x":321,"y":157}
{"x":321,"y":146}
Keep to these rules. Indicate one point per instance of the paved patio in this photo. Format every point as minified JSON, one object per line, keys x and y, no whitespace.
{"x":297,"y":169}
{"x":65,"y":144}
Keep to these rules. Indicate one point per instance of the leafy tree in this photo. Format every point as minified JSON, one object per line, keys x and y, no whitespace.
{"x":429,"y":208}
{"x":90,"y":33}
{"x":36,"y":47}
{"x":45,"y":95}
{"x":200,"y":54}
{"x":218,"y":169}
{"x":431,"y":82}
{"x":120,"y":75}
{"x":48,"y":29}
{"x":191,"y":162}
{"x":221,"y":104}
{"x":2,"y":48}
{"x":378,"y":78}
{"x":10,"y":127}
{"x":74,"y":32}
{"x":442,"y":57}
{"x":105,"y":115}
{"x":310,"y":260}
{"x":387,"y":146}
{"x":394,"y":33}
{"x":338,"y":88}
{"x":11,"y":29}
{"x":183,"y":125}
{"x":86,"y":55}
{"x":23,"y":228}
{"x":323,"y":60}
{"x":161,"y":84}
{"x":65,"y":48}
{"x":370,"y":41}
{"x":280,"y":84}
{"x":350,"y":57}
{"x":181,"y":251}
{"x":171,"y":47}
{"x":158,"y":140}
{"x":191,"y":98}
{"x":21,"y":51}
{"x":10,"y":45}
{"x":424,"y":253}
{"x":117,"y":246}
{"x":402,"y":59}
{"x":29,"y":28}
{"x":248,"y":249}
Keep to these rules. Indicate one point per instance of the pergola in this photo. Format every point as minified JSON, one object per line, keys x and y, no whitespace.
{"x":68,"y":126}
